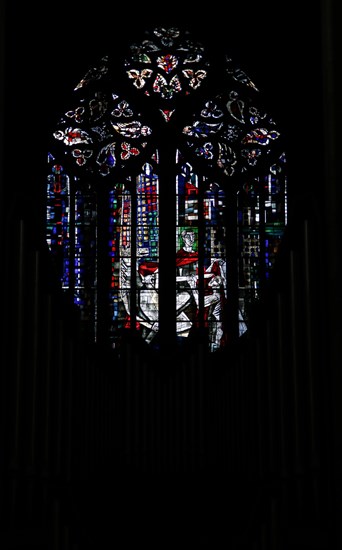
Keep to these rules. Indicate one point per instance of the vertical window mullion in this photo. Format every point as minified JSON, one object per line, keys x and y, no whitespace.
{"x":133,"y":279}
{"x":232,"y":313}
{"x":71,"y":252}
{"x":201,"y":238}
{"x":167,"y":223}
{"x":262,"y":237}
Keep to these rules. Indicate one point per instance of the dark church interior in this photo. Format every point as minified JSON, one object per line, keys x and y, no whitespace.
{"x":237,"y":450}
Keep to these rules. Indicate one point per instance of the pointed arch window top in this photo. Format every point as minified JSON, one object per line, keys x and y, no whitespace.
{"x":227,"y":130}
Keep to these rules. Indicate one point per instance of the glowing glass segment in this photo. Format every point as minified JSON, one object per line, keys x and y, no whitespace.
{"x":139,"y":206}
{"x":85,"y":255}
{"x":201,"y":272}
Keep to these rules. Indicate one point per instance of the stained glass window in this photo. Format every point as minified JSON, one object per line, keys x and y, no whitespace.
{"x":166,"y":195}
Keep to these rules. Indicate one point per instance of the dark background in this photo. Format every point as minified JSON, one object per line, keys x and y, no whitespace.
{"x":290,"y":50}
